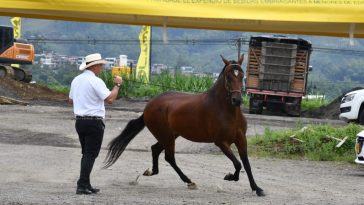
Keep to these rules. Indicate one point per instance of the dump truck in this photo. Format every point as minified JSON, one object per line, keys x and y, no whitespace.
{"x":14,"y":52}
{"x":276,"y":74}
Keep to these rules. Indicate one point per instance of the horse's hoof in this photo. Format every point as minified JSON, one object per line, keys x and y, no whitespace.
{"x":231,"y":177}
{"x":260,"y":192}
{"x":192,"y":185}
{"x":148,"y":172}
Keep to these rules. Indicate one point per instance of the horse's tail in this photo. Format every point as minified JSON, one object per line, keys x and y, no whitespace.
{"x":117,"y":146}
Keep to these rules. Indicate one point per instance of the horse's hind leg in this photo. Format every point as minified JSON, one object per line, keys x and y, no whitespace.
{"x":169,"y":156}
{"x":225,"y":148}
{"x":241,"y":144}
{"x":157,"y":148}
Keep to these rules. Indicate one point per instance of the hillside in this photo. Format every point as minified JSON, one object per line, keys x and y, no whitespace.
{"x":336,"y":67}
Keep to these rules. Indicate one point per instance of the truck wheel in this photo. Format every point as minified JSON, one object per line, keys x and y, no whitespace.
{"x":255,"y":107}
{"x":260,"y":109}
{"x":251,"y":109}
{"x":361,"y":118}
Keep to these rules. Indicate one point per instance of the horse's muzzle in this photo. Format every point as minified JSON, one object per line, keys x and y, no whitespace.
{"x":236,"y":100}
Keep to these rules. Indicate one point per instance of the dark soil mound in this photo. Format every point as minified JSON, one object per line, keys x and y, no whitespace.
{"x":25,"y":91}
{"x":330,"y":111}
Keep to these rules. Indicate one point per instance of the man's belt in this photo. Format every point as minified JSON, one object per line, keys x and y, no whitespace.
{"x":89,"y":118}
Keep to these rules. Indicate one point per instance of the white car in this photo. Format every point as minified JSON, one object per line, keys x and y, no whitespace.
{"x":359,"y":149}
{"x":352,"y":106}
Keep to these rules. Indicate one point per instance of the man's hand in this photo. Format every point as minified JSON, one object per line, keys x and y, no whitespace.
{"x":118,"y":80}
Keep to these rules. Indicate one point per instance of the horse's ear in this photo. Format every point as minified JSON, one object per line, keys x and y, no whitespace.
{"x":225,"y":61}
{"x":241,"y":59}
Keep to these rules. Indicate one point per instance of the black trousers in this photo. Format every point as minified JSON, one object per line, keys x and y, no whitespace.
{"x":90,"y":133}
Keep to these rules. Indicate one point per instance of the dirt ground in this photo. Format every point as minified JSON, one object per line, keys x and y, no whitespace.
{"x":40,"y":157}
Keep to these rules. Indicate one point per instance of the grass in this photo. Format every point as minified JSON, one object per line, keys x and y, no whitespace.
{"x":311,"y":104}
{"x":316,"y":144}
{"x":159,"y":83}
{"x":245,"y":99}
{"x":59,"y":88}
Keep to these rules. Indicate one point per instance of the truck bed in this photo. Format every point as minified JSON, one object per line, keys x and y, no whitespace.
{"x":278,"y":65}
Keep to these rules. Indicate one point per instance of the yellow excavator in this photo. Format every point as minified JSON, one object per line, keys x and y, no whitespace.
{"x":14,"y":51}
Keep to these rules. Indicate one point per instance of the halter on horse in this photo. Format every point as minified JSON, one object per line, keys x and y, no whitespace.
{"x":214,"y":116}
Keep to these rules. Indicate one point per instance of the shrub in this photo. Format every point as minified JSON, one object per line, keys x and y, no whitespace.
{"x":316,"y":145}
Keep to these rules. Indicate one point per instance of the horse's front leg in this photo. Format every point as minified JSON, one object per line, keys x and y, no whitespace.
{"x":241,"y":144}
{"x":225,"y":148}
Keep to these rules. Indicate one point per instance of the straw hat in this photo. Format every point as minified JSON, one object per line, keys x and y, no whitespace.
{"x":92,"y":59}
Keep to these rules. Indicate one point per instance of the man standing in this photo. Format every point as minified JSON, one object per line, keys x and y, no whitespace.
{"x":88,"y":93}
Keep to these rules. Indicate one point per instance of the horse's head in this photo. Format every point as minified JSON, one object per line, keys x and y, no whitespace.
{"x":233,"y":76}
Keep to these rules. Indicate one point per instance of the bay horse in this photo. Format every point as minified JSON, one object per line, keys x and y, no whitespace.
{"x":213,"y":117}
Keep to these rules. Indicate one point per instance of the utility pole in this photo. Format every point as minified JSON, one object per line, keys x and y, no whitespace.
{"x":150,"y":52}
{"x":239,"y":47}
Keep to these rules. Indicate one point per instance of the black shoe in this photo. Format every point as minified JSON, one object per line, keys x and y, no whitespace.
{"x":93,"y":190}
{"x":83,"y":191}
